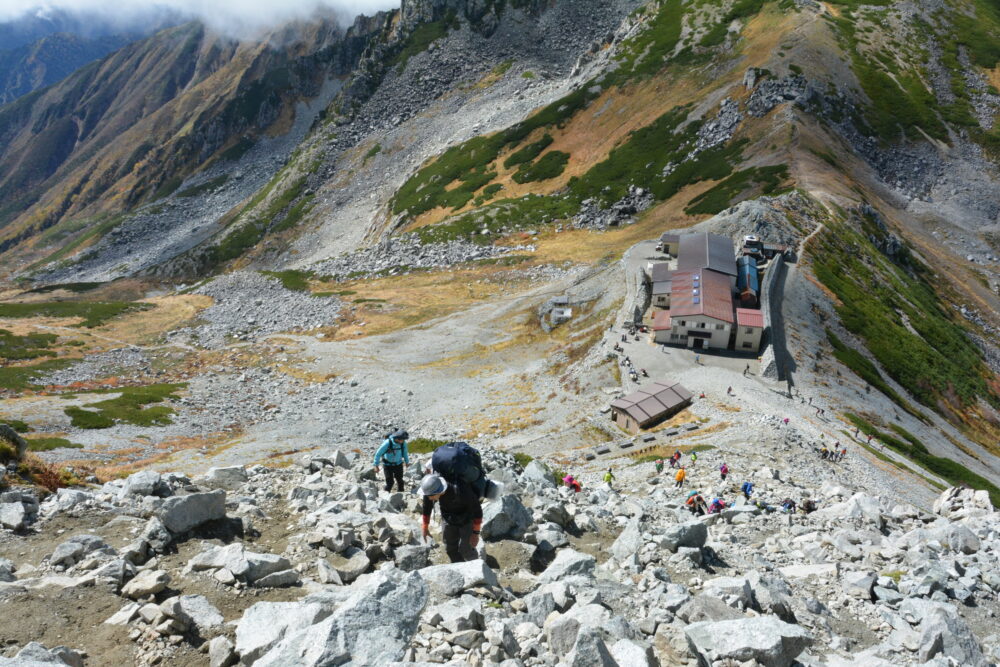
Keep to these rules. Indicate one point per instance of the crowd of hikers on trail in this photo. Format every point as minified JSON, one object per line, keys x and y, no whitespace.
{"x":836,"y":454}
{"x":455,"y":482}
{"x":697,"y":504}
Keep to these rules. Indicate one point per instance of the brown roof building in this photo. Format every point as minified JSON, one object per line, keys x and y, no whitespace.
{"x":650,"y":405}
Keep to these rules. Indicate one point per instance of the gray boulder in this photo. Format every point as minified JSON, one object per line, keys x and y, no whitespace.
{"x":221,"y":653}
{"x":858,"y":584}
{"x":766,"y":639}
{"x":455,"y":578}
{"x":7,"y":569}
{"x":538,"y":473}
{"x":590,"y":651}
{"x":75,"y":548}
{"x":506,"y":518}
{"x":147,"y":582}
{"x":144,"y":483}
{"x":200,"y":613}
{"x":354,"y":563}
{"x":569,"y":563}
{"x":629,"y":542}
{"x":279,"y":579}
{"x":13,"y":516}
{"x":412,"y":557}
{"x":266,"y":623}
{"x":734,"y":591}
{"x":232,"y":477}
{"x":691,"y":534}
{"x":944,"y":633}
{"x":373,"y":627}
{"x":242,"y":564}
{"x":633,"y":654}
{"x":180,"y":514}
{"x":706,"y":608}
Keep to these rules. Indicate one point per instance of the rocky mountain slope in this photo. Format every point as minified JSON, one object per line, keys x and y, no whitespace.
{"x":50,"y":59}
{"x":314,"y":564}
{"x":384,"y":250}
{"x":129,"y":128}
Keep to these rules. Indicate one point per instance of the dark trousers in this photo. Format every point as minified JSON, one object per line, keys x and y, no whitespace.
{"x":393,"y":473}
{"x":456,"y":543}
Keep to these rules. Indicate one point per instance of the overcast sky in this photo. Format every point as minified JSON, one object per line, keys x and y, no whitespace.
{"x":234,"y":16}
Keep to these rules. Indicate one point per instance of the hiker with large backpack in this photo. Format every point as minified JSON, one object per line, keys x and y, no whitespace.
{"x":461,"y":516}
{"x":393,"y":455}
{"x":460,"y":464}
{"x":747,"y":489}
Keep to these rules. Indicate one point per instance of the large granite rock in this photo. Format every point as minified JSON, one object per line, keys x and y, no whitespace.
{"x":373,"y":627}
{"x":506,"y":518}
{"x":766,"y":639}
{"x":180,"y":514}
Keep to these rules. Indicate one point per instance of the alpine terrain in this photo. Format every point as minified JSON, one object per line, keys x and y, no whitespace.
{"x":712,"y":286}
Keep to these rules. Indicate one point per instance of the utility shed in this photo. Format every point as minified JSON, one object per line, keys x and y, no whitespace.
{"x":650,"y":405}
{"x":670,"y":242}
{"x":661,"y":277}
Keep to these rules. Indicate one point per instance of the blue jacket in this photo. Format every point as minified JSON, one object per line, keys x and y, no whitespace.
{"x":392,"y":453}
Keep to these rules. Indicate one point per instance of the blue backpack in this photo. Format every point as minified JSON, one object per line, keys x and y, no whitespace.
{"x":460,"y":464}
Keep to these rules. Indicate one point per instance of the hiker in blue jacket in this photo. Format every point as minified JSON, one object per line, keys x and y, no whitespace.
{"x":393,"y":455}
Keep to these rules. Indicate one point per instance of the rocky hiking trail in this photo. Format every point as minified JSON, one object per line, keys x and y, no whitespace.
{"x":315,"y":564}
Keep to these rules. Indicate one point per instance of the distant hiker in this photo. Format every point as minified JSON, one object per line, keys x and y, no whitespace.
{"x":716,"y":506}
{"x":785,"y":420}
{"x":843,"y":453}
{"x":869,"y":439}
{"x":808,"y":506}
{"x":760,"y":504}
{"x":747,"y":489}
{"x":788,"y":505}
{"x":823,"y":453}
{"x":393,"y":455}
{"x":696,"y":503}
{"x":810,"y":400}
{"x":679,"y":477}
{"x":609,"y":478}
{"x":701,"y":395}
{"x":461,"y":514}
{"x":694,"y":458}
{"x":723,"y":471}
{"x":697,"y":358}
{"x":855,"y":431}
{"x":644,"y":373}
{"x":729,"y":391}
{"x":571,"y":483}
{"x":659,"y":466}
{"x":746,"y":370}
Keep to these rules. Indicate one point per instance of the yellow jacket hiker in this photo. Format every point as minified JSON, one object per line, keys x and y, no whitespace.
{"x":681,"y":474}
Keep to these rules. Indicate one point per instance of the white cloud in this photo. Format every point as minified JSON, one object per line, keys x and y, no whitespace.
{"x":238,"y":17}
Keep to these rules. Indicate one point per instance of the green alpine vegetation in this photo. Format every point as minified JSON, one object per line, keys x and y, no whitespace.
{"x":902,"y":321}
{"x":128,"y":408}
{"x":955,"y":473}
{"x":30,"y":346}
{"x":762,"y":180}
{"x":94,"y":313}
{"x":549,"y":166}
